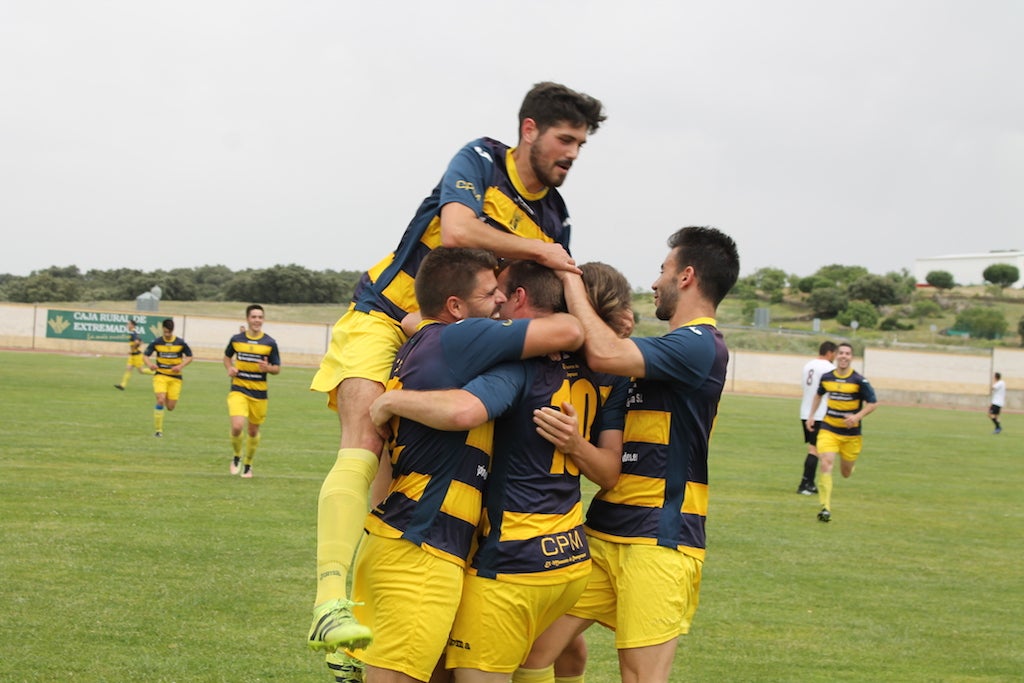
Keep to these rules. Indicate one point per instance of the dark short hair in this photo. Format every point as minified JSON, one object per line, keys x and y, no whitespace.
{"x":998,"y":376}
{"x":449,"y":271}
{"x":550,"y":103}
{"x":713,"y":256}
{"x":252,"y":307}
{"x":826,"y":347}
{"x":846,"y":344}
{"x":168,"y":324}
{"x":540,"y":282}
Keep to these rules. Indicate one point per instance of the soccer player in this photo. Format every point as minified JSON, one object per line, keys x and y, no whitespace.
{"x":646,"y":534}
{"x":811,"y":377}
{"x":134,"y":356}
{"x":531,"y":562}
{"x":491,"y":197}
{"x":172,"y":355}
{"x":410,"y":565}
{"x":850,"y":399}
{"x":998,"y":401}
{"x":249,"y":357}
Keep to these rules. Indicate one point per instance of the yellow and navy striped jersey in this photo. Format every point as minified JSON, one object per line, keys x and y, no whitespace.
{"x":846,"y":395}
{"x":662,"y":494}
{"x":532,"y":528}
{"x":483,"y":177}
{"x":134,"y":343}
{"x":169,"y":353}
{"x":248,"y":353}
{"x":435,"y":496}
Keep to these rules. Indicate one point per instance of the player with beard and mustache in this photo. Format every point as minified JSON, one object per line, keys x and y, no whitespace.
{"x":647,"y":533}
{"x":492,"y":196}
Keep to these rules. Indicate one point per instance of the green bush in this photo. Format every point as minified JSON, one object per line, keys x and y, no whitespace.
{"x":925,"y":308}
{"x":983,"y":322}
{"x":863,"y":312}
{"x":827,"y":301}
{"x":940,"y":279}
{"x":1001,"y":274}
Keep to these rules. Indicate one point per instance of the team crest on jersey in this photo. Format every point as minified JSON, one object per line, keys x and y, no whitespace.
{"x":483,"y":152}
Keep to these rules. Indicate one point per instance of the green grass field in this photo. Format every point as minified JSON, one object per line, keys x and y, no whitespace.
{"x":129,"y":558}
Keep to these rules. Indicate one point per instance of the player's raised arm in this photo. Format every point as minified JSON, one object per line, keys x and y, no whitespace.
{"x":460,"y":227}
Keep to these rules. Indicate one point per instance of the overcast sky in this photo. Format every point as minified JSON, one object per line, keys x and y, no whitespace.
{"x":248,"y":133}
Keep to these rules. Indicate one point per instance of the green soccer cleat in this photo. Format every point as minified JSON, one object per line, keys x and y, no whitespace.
{"x":344,"y":668}
{"x":334,"y":627}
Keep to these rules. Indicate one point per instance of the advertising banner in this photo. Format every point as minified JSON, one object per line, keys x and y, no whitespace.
{"x":97,"y":326}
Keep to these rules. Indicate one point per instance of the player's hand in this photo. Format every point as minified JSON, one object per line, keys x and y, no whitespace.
{"x":380,"y":412}
{"x":554,"y":256}
{"x":232,"y":371}
{"x":561,"y":428}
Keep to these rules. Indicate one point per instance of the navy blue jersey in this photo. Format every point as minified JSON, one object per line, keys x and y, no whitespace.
{"x":483,"y":177}
{"x":436,"y":494}
{"x":662,"y":494}
{"x":532,"y":531}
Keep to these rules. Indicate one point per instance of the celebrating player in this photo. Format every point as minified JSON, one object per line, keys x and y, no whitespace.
{"x":491,"y":197}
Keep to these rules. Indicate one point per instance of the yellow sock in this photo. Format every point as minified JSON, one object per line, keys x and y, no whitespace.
{"x":546,"y":675}
{"x":341,"y":511}
{"x":236,"y":445}
{"x":127,"y":376}
{"x":825,"y":490}
{"x":569,"y":679}
{"x":250,"y":449}
{"x":158,"y":418}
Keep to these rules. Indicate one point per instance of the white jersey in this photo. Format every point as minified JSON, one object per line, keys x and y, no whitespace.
{"x":810,"y":380}
{"x":999,"y":393}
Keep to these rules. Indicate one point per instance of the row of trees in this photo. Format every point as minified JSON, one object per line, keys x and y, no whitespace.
{"x":998,"y":274}
{"x":854,"y":297}
{"x":277,"y":285}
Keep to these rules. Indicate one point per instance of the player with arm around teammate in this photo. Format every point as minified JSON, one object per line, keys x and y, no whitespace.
{"x":491,"y":196}
{"x":553,"y":419}
{"x":647,"y":534}
{"x":411,"y":562}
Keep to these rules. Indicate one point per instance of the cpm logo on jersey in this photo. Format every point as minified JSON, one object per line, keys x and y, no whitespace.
{"x":466,"y":185}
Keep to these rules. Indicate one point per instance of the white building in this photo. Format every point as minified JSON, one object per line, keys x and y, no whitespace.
{"x":967,"y":268}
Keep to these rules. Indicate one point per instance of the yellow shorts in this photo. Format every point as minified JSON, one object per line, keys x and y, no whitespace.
{"x":848,"y":447}
{"x":498,"y":621}
{"x":362,"y":345}
{"x":164,"y":384}
{"x":135,"y":360}
{"x":407,"y":599}
{"x":647,"y":594}
{"x":253,"y":409}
